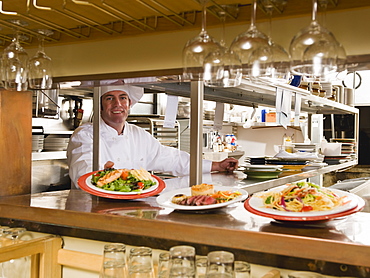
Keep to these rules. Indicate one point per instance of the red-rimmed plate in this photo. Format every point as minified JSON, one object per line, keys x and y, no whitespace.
{"x":83,"y":183}
{"x":305,"y":216}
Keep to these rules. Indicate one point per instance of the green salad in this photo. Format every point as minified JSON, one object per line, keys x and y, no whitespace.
{"x":123,"y":180}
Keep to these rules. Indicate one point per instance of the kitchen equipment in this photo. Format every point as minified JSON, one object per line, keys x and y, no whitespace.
{"x":37,"y":138}
{"x":154,"y":125}
{"x":45,"y":103}
{"x":332,"y":149}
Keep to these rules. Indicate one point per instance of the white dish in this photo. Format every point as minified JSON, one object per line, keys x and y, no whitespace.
{"x":89,"y":184}
{"x":165,"y":198}
{"x":267,"y":168}
{"x":256,"y":202}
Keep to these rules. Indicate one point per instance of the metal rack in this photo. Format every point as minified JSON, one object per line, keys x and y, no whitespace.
{"x":166,"y":136}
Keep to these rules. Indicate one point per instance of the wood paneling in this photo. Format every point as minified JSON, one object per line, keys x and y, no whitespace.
{"x":15,"y":142}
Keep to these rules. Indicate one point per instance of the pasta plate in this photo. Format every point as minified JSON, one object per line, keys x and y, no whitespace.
{"x":256,"y":203}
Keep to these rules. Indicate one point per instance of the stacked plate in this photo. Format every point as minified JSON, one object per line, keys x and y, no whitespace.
{"x":286,"y":161}
{"x":256,"y":160}
{"x":263,"y":171}
{"x":37,"y":142}
{"x":336,"y":159}
{"x":348,"y":145}
{"x":304,"y":147}
{"x":289,"y":166}
{"x":314,"y":166}
{"x":292,"y":170}
{"x":56,"y":142}
{"x":37,"y":138}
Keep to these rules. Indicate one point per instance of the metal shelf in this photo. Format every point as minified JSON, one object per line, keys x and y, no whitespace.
{"x":255,"y":185}
{"x":251,"y":94}
{"x":49,"y":155}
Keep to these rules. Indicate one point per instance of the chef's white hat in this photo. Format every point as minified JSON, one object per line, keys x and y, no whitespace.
{"x":134,"y":93}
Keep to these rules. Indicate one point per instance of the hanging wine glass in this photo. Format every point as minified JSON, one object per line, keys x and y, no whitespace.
{"x":15,"y":66}
{"x":40,"y":66}
{"x":197,"y":49}
{"x":245,"y":43}
{"x":270,"y":62}
{"x":341,"y":72}
{"x":314,"y":51}
{"x":222,"y":68}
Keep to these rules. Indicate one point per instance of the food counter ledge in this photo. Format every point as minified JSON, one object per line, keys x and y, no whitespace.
{"x":340,"y":242}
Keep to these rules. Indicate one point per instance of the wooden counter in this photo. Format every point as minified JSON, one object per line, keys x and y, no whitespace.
{"x":344,"y":241}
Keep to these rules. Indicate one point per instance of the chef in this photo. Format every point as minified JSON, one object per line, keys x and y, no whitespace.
{"x":124,"y":145}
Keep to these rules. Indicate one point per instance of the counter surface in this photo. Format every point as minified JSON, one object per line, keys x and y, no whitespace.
{"x":344,"y":241}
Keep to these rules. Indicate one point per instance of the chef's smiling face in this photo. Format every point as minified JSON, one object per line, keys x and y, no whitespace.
{"x":115,"y":106}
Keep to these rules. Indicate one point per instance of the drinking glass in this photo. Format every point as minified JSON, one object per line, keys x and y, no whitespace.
{"x":242,"y":269}
{"x":247,"y":42}
{"x":314,"y":51}
{"x":15,"y":66}
{"x":201,"y":266}
{"x":114,"y":261}
{"x":14,"y":233}
{"x":40,"y":66}
{"x":163,"y":264}
{"x":270,"y":62}
{"x":222,"y":68}
{"x":197,"y":49}
{"x":220,"y":264}
{"x":140,"y":263}
{"x":182,"y":262}
{"x":3,"y":240}
{"x":19,"y":267}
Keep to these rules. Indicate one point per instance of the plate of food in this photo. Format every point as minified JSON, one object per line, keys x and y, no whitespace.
{"x":201,"y":197}
{"x":121,"y":183}
{"x":302,"y":201}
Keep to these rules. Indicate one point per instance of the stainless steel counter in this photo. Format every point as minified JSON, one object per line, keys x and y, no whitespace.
{"x":343,"y":241}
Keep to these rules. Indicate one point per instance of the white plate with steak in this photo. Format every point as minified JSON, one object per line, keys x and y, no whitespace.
{"x":181,"y":199}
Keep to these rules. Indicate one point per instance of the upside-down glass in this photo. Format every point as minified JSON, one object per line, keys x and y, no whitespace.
{"x":245,"y":43}
{"x":271,"y":62}
{"x":114,"y":261}
{"x":314,"y":51}
{"x":163,"y":264}
{"x":242,"y":269}
{"x":15,"y":66}
{"x":222,"y":68}
{"x":19,"y":267}
{"x":140,"y":264}
{"x":197,"y":49}
{"x":40,"y":68}
{"x":182,"y":262}
{"x":220,"y":264}
{"x":201,"y":266}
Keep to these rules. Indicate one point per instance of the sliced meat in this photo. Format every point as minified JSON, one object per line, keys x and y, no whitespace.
{"x":208,"y":200}
{"x":190,"y":200}
{"x":199,"y":201}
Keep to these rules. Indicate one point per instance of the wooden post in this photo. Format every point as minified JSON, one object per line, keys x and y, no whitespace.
{"x":15,"y":142}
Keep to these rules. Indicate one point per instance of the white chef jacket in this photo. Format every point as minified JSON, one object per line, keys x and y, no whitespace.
{"x":133,"y":149}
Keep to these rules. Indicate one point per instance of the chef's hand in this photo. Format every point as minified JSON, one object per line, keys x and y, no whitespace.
{"x":108,"y":164}
{"x":228,"y":164}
